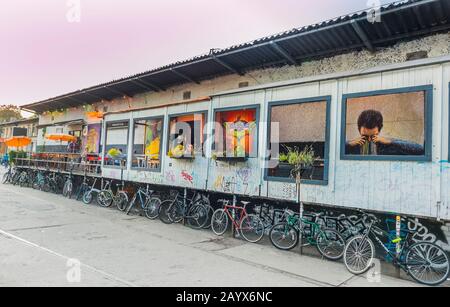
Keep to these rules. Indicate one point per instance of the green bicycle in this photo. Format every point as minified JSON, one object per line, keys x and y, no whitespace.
{"x":285,"y":236}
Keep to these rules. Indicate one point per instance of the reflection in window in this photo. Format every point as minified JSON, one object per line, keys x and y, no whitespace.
{"x":386,"y":125}
{"x":147,"y":143}
{"x":301,"y":125}
{"x":186,"y":136}
{"x":236,"y":134}
{"x":116,"y":144}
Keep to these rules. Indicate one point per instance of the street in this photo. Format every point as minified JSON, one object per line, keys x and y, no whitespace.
{"x":47,"y":240}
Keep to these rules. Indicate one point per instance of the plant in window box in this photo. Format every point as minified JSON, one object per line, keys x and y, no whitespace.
{"x":300,"y":161}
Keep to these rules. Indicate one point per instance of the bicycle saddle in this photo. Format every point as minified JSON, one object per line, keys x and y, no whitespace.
{"x":320,"y":214}
{"x":245,"y":203}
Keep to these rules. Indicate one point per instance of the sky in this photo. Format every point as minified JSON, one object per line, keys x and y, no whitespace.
{"x":50,"y":47}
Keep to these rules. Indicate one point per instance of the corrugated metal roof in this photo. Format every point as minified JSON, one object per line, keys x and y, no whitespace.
{"x":401,"y":20}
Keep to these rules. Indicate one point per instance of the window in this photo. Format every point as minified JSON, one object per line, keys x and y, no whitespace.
{"x":148,"y":134}
{"x":388,"y":125}
{"x":186,"y":135}
{"x":187,"y":95}
{"x":116,"y":147}
{"x":297,"y":125}
{"x":236,"y":134}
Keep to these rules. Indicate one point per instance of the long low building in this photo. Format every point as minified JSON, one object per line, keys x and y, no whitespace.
{"x":370,"y":97}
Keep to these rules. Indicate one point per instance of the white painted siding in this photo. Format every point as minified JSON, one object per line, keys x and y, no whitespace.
{"x":413,"y":188}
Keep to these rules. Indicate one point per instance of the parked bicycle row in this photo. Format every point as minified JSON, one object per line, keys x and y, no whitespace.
{"x":425,"y":262}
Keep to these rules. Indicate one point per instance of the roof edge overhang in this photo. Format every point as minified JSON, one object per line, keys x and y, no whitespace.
{"x":403,"y":20}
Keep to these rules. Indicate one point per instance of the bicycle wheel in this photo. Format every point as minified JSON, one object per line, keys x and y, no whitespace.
{"x":284,"y":236}
{"x":210,"y":213}
{"x":198,"y":216}
{"x":252,"y":228}
{"x":67,"y":190}
{"x":87,"y":197}
{"x":176,"y":212}
{"x":152,"y":208}
{"x":46,"y":187}
{"x":121,"y":201}
{"x":358,"y":254}
{"x":105,"y":199}
{"x":6,"y":178}
{"x":163,"y":211}
{"x":219,"y":222}
{"x":330,"y":244}
{"x":427,"y":263}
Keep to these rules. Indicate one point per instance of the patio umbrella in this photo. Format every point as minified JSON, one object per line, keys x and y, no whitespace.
{"x":18,"y":141}
{"x":61,"y":137}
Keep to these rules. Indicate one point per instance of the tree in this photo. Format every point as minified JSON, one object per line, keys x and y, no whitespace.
{"x":9,"y":113}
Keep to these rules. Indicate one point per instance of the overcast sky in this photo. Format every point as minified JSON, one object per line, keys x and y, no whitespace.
{"x":43,"y":54}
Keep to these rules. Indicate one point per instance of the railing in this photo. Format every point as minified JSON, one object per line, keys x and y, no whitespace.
{"x":64,"y":164}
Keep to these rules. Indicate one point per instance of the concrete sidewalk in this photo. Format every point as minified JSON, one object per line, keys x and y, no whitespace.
{"x":42,"y":236}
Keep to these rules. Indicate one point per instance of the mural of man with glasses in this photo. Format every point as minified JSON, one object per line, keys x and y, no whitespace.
{"x":371,"y":142}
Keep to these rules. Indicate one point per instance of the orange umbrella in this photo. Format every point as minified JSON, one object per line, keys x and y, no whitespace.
{"x":18,"y":141}
{"x":61,"y":137}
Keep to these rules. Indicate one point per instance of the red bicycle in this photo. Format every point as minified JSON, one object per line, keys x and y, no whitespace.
{"x":250,"y":226}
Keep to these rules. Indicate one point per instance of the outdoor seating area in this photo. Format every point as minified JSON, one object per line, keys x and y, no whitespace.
{"x":62,"y":162}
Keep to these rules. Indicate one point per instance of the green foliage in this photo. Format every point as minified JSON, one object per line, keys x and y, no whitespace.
{"x":9,"y":113}
{"x":284,"y":158}
{"x":300,"y":159}
{"x":13,"y":155}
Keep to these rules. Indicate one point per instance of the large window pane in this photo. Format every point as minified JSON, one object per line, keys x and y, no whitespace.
{"x":386,"y":125}
{"x":148,"y":134}
{"x":186,"y":135}
{"x":236,"y":134}
{"x":116,"y":147}
{"x":300,"y":125}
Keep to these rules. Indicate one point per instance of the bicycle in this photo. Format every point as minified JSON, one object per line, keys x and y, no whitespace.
{"x":88,"y":195}
{"x":192,"y":210}
{"x":249,"y":226}
{"x":269,"y":215}
{"x":285,"y":236}
{"x":149,"y":202}
{"x":107,"y":197}
{"x":7,"y":177}
{"x":68,"y":186}
{"x":425,"y":262}
{"x":82,"y":189}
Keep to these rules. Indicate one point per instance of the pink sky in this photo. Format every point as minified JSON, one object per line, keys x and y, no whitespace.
{"x":42,"y":55}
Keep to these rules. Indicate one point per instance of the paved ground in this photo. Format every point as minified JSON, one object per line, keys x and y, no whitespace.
{"x":41,"y":235}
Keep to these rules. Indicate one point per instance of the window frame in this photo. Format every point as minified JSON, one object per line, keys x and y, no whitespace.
{"x":327,"y":100}
{"x":255,"y":107}
{"x":428,"y":124}
{"x":106,"y":141}
{"x":154,"y":170}
{"x":205,"y":134}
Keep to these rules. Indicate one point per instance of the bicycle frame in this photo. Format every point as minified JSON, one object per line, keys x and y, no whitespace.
{"x":243,"y":213}
{"x":376,"y":232}
{"x":315,"y":228}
